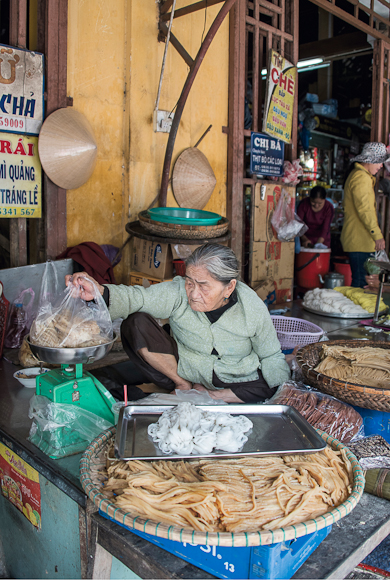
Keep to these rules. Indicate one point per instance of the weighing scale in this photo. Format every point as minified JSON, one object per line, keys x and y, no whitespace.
{"x":72,"y":385}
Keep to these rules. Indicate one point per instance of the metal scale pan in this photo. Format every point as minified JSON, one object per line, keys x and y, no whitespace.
{"x":86,"y":355}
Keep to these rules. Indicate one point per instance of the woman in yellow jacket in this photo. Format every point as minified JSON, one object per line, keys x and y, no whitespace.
{"x":361,"y":234}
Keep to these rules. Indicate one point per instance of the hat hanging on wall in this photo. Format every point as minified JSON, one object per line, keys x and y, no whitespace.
{"x":193,"y":180}
{"x":67,"y":148}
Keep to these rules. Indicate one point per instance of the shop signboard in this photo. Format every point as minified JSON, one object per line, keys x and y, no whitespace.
{"x":21,"y":90}
{"x":267,"y":155}
{"x":20,"y":485}
{"x":20,"y":176}
{"x":279,"y":98}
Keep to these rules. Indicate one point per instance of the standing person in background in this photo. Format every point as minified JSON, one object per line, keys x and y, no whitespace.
{"x":361,"y":234}
{"x":317,"y":213}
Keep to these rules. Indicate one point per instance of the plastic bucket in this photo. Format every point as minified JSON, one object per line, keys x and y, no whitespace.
{"x":309,"y":263}
{"x":346,"y":270}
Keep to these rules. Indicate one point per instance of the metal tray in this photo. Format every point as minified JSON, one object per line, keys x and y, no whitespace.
{"x":341,"y":314}
{"x":276,"y":429}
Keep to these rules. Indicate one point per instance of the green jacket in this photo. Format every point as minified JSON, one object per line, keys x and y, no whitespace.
{"x":360,"y":228}
{"x":244,"y":336}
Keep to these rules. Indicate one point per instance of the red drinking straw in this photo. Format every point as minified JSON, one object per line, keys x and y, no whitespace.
{"x":125,"y":393}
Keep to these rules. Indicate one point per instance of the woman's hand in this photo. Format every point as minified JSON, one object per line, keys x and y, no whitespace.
{"x":306,"y":243}
{"x":86,"y":284}
{"x":380,"y":245}
{"x":372,"y":282}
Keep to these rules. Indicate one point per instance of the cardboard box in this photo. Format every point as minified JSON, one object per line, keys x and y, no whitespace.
{"x":264,"y":207}
{"x":137,"y":279}
{"x":275,"y":291}
{"x":272,"y":261}
{"x":152,"y":258}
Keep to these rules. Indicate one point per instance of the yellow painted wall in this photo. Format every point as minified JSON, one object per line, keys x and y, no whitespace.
{"x":114,"y":64}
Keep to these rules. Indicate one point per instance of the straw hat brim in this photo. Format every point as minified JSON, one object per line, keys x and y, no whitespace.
{"x":67,"y":148}
{"x":193,"y":180}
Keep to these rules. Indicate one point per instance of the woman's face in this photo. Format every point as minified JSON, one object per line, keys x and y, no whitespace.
{"x":204,"y":293}
{"x":373,"y":168}
{"x":317,"y":204}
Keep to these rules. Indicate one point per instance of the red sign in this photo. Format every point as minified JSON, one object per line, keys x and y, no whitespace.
{"x":20,"y":485}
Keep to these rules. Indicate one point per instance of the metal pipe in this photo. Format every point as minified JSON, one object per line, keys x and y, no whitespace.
{"x":382,"y":276}
{"x":165,"y":56}
{"x":184,"y":95}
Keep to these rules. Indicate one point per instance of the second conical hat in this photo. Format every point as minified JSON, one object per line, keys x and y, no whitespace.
{"x":67,"y":148}
{"x":193,"y":180}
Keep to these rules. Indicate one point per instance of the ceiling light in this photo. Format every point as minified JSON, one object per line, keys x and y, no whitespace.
{"x":304,"y":65}
{"x":309,"y":62}
{"x":315,"y":67}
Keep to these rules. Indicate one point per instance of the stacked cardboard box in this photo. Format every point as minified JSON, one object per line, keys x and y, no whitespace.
{"x":272,"y":261}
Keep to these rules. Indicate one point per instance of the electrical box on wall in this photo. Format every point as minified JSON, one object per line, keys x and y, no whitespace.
{"x":162,"y":121}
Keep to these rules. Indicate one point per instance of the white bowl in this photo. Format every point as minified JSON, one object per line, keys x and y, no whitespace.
{"x":33,"y":371}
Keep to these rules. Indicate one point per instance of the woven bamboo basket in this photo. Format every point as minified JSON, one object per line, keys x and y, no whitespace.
{"x":374,"y":398}
{"x":186,"y":232}
{"x":94,"y":459}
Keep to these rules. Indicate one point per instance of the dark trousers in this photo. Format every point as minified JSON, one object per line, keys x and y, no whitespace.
{"x":356,"y":261}
{"x":141,"y":330}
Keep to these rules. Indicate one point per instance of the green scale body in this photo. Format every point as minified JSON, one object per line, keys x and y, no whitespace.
{"x":71,"y":385}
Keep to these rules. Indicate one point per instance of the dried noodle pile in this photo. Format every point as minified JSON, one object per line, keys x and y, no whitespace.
{"x":235,"y":495}
{"x":364,"y":366}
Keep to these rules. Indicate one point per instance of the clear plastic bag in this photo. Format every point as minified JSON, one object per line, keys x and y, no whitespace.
{"x":60,"y":429}
{"x":69,"y":321}
{"x":322,"y":411}
{"x":373,"y":269}
{"x":191,"y":396}
{"x":19,"y":319}
{"x":286,"y":223}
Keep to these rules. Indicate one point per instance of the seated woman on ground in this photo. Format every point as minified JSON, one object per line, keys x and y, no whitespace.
{"x":221,"y":339}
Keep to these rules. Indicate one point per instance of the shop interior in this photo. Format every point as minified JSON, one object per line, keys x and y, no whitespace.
{"x":334,"y":97}
{"x":335,"y":69}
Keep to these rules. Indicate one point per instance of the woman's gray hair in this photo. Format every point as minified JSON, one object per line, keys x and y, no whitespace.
{"x":220,"y":262}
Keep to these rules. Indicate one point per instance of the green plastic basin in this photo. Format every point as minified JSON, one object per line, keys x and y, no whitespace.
{"x":182,"y":215}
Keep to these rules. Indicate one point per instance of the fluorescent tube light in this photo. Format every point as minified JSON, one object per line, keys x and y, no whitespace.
{"x":305,"y":65}
{"x":309,"y":62}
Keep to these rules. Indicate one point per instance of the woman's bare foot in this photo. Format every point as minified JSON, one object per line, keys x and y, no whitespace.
{"x":199,"y":387}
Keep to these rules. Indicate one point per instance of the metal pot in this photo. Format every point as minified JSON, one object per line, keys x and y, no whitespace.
{"x":332,"y":280}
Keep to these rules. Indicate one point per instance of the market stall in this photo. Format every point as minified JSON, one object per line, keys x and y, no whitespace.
{"x":90,"y":539}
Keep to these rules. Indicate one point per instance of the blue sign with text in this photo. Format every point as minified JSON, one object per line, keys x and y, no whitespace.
{"x":267,"y":155}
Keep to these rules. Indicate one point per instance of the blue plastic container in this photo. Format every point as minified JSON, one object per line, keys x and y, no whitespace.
{"x":375,"y":422}
{"x":183,"y":215}
{"x":276,"y":561}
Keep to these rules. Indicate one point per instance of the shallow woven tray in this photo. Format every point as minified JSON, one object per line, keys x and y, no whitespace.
{"x":93,"y":460}
{"x":374,"y":398}
{"x":183,"y":231}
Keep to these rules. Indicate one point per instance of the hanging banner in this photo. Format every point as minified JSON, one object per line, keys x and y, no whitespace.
{"x":279,"y":98}
{"x":20,"y":176}
{"x":267,"y":155}
{"x":21,"y":90}
{"x":20,"y":485}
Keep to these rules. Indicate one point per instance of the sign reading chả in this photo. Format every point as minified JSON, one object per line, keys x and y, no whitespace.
{"x":20,"y":176}
{"x":21,"y":90}
{"x":279,"y":98}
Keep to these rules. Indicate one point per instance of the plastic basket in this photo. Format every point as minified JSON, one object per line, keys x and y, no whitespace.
{"x":294,"y":332}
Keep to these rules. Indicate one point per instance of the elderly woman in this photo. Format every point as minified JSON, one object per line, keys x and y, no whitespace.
{"x":222,"y":336}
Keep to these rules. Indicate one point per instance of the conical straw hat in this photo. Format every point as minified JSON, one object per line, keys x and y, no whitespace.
{"x":193,"y":179}
{"x":67,"y":148}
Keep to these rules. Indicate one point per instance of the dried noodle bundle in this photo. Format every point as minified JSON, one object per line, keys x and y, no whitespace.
{"x":364,"y":366}
{"x":243,"y":494}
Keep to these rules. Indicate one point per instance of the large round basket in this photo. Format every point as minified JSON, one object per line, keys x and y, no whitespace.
{"x":94,"y":460}
{"x":374,"y":398}
{"x":183,"y":231}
